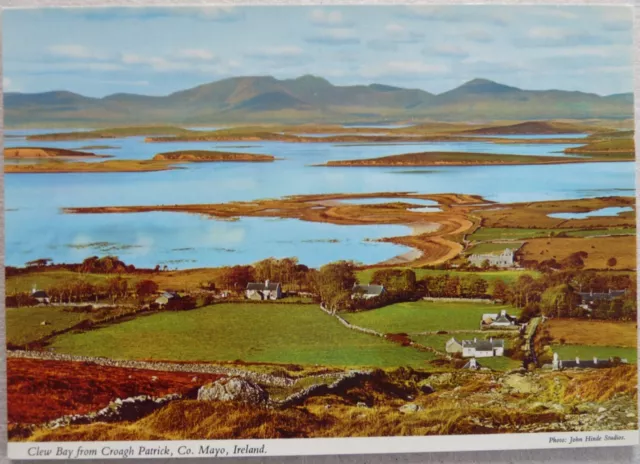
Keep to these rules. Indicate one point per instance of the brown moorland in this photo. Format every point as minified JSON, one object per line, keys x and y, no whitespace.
{"x":594,"y":333}
{"x":47,"y":153}
{"x":39,"y":391}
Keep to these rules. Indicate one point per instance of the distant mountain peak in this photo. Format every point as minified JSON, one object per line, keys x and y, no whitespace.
{"x":480,"y":85}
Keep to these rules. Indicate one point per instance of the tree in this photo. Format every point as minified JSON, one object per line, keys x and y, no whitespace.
{"x":575,"y":260}
{"x":117,"y":287}
{"x":145,"y":288}
{"x":612,"y":262}
{"x":500,"y":290}
{"x":41,"y":262}
{"x":395,"y":280}
{"x":559,"y":301}
{"x":334,"y":282}
{"x":236,"y":278}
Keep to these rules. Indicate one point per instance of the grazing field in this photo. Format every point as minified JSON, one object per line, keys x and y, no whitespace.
{"x":593,"y":333}
{"x":24,"y":324}
{"x":44,"y":280}
{"x":423,"y":316}
{"x":569,"y":352}
{"x":493,"y":233}
{"x":600,"y":249}
{"x":366,"y":275}
{"x":278,"y":333}
{"x":40,"y":391}
{"x":493,"y":248}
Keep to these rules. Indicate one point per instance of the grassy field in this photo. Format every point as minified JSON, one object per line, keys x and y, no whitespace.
{"x":23,"y":324}
{"x":299,"y":334}
{"x":423,"y":316}
{"x":600,"y":249}
{"x":48,"y":279}
{"x":593,"y":333}
{"x":569,"y":352}
{"x":491,"y":233}
{"x":493,"y":248}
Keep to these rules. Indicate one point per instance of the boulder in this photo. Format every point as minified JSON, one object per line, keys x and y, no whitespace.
{"x":233,"y":389}
{"x":410,"y":407}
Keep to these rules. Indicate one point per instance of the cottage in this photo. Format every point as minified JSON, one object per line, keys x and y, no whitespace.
{"x":266,"y":290}
{"x":472,"y":364}
{"x":505,"y":259}
{"x":166,"y":298}
{"x":366,"y":291}
{"x":453,"y":346}
{"x":578,"y":363}
{"x":497,"y":321}
{"x":40,"y":295}
{"x":482,"y":348}
{"x":589,"y":299}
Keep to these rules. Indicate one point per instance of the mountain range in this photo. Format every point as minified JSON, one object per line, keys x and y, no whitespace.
{"x":265,"y":99}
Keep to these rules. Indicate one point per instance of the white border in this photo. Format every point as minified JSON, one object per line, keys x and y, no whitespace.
{"x":315,"y":446}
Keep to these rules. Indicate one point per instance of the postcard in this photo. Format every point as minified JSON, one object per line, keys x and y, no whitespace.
{"x":296,"y":230}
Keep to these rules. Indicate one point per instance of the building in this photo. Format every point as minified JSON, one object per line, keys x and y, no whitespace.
{"x":40,"y":295}
{"x":472,"y":364}
{"x":578,"y":363}
{"x":366,"y":291}
{"x":589,"y":299}
{"x":453,"y":346}
{"x":504,"y":259}
{"x":482,"y":348}
{"x":498,"y":321}
{"x":166,"y":298}
{"x":266,"y":290}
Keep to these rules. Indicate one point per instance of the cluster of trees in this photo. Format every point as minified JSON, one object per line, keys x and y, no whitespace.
{"x":453,"y":286}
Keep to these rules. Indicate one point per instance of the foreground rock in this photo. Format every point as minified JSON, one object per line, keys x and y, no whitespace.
{"x":233,"y":389}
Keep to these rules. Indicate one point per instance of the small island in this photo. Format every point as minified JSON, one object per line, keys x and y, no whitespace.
{"x":160,"y":162}
{"x":48,"y":153}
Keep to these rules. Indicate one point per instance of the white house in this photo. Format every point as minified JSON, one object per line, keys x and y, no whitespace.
{"x":578,"y":363}
{"x":264,"y":291}
{"x":40,"y":295}
{"x":482,"y":348}
{"x":166,"y":297}
{"x":502,"y":320}
{"x":472,"y":364}
{"x":453,"y":346}
{"x":366,"y":291}
{"x":505,"y":259}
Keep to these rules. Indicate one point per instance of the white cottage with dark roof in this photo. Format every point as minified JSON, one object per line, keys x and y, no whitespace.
{"x":497,"y":321}
{"x":266,"y":290}
{"x":366,"y":291}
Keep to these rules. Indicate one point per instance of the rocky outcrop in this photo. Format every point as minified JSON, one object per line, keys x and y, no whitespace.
{"x":128,"y":409}
{"x":233,"y":389}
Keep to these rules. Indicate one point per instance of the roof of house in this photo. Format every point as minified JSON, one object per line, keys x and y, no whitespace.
{"x":483,"y":345}
{"x":40,"y":294}
{"x":170,"y":295}
{"x":491,"y":318}
{"x":586,"y":363}
{"x":468,"y":364}
{"x":262,"y":286}
{"x":592,"y":296}
{"x":368,"y":289}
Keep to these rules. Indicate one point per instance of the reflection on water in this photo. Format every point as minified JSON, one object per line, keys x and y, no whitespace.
{"x":36,"y":227}
{"x":611,"y":211}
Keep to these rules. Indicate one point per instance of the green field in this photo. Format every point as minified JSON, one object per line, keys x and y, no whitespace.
{"x":493,"y":248}
{"x":366,"y":275}
{"x":569,"y":352}
{"x":423,"y":316}
{"x":48,"y":279}
{"x":490,"y":233}
{"x":277,"y":333}
{"x":23,"y":324}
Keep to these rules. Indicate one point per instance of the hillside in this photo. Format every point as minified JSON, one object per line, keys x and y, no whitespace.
{"x":308,"y":99}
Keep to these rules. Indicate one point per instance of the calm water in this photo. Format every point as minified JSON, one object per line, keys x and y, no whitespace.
{"x":35,"y":227}
{"x":612,"y":211}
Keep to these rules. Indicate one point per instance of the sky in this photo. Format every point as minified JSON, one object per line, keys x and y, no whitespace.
{"x":159,"y":50}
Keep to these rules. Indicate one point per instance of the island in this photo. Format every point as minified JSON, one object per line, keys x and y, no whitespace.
{"x":47,"y":153}
{"x":160,"y":162}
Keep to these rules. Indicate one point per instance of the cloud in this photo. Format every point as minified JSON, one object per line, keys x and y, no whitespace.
{"x":446,"y":50}
{"x":209,"y":13}
{"x":327,"y":18}
{"x":549,"y":36}
{"x":335,"y":36}
{"x":72,"y":51}
{"x":457,"y":14}
{"x":400,"y":34}
{"x":286,"y":51}
{"x":7,"y":84}
{"x":199,"y":54}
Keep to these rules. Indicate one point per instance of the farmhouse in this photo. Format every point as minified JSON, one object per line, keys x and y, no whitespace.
{"x":578,"y":363}
{"x":40,"y":295}
{"x":366,"y":291}
{"x":453,"y":346}
{"x":264,"y":291}
{"x":504,"y":259}
{"x":482,"y":348}
{"x":166,"y":298}
{"x":498,"y":321}
{"x":589,"y":299}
